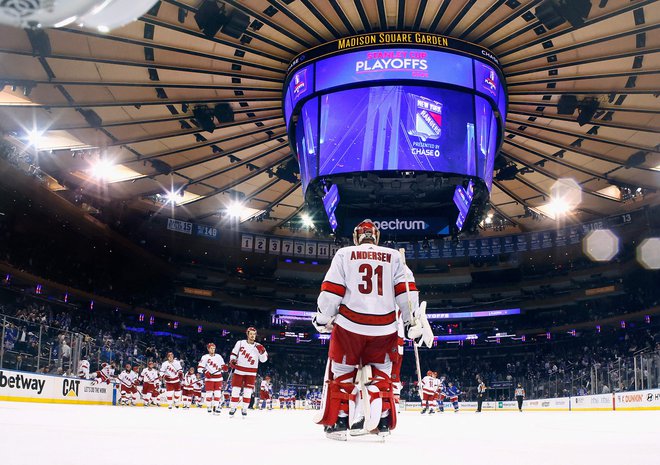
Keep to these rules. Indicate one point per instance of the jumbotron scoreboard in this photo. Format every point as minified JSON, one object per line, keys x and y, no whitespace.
{"x":401,"y":127}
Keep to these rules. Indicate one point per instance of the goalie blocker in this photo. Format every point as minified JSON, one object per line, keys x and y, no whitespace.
{"x":358,"y":304}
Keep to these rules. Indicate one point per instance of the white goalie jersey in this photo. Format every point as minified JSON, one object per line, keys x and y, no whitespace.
{"x":363,"y":287}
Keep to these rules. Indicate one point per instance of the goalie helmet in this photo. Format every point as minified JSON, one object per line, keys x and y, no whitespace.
{"x":364,"y":231}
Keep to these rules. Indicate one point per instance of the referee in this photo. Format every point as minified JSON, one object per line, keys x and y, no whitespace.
{"x":481,"y":393}
{"x":520,"y":395}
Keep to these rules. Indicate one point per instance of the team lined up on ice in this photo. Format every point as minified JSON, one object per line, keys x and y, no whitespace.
{"x":241,"y":373}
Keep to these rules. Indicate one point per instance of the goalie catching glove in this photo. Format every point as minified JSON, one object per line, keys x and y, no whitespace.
{"x":419,"y":330}
{"x":323,"y":323}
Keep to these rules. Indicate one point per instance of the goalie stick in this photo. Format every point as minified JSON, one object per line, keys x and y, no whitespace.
{"x":402,"y":252}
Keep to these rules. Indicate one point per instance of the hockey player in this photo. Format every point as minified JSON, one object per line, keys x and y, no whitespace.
{"x":83,"y":368}
{"x":291,"y":398}
{"x":105,"y":374}
{"x":198,"y":400}
{"x":226,"y":395}
{"x":357,"y":303}
{"x":266,"y":394}
{"x":428,"y":392}
{"x":128,"y":379}
{"x":281,"y":397}
{"x":244,"y":359}
{"x":172,"y":374}
{"x":149,"y":379}
{"x":211,"y":366}
{"x":188,"y":386}
{"x":453,"y":392}
{"x":442,"y":394}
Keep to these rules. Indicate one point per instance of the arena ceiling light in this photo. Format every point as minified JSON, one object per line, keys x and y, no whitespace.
{"x":102,"y":15}
{"x":107,"y":171}
{"x":600,"y":245}
{"x":566,"y":195}
{"x":235,"y":209}
{"x":307,"y":221}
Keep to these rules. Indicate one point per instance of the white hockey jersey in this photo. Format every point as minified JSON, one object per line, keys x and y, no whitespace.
{"x":106,"y":372}
{"x":212,"y":367}
{"x":149,"y":376}
{"x":247,"y":357}
{"x":363,"y":287}
{"x":198,"y":385}
{"x":83,"y":369}
{"x":128,"y":378}
{"x":171,"y":371}
{"x":266,"y":386}
{"x":189,"y":381}
{"x":429,"y":385}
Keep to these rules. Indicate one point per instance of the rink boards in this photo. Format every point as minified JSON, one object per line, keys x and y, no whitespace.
{"x":633,"y":400}
{"x":18,"y":386}
{"x":21,"y":386}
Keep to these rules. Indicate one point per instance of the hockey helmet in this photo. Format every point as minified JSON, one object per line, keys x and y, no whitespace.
{"x":429,"y":373}
{"x":251,"y":328}
{"x":209,"y":345}
{"x":366,"y":231}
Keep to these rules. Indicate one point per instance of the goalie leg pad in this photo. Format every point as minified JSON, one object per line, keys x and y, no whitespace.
{"x":341,"y":396}
{"x":381,"y":399}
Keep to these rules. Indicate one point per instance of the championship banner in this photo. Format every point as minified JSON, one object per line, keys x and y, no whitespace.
{"x":247,"y":242}
{"x":179,"y":226}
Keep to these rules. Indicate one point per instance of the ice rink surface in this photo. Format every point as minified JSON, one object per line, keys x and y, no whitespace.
{"x":39,"y":434}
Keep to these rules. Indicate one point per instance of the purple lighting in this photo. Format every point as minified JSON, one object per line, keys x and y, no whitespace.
{"x":481,"y":314}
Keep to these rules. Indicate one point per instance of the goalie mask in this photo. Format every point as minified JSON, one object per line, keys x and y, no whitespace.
{"x":366,"y":231}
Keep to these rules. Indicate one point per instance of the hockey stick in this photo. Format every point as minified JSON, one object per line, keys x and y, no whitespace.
{"x":402,"y":252}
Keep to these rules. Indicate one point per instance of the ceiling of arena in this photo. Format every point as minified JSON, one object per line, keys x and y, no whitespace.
{"x":127,"y":97}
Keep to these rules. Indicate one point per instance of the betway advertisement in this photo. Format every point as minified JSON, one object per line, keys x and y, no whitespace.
{"x":22,"y":386}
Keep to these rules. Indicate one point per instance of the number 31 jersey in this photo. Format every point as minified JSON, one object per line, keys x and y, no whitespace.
{"x":363,"y":287}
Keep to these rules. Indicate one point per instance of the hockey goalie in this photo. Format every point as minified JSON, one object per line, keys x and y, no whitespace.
{"x":358,"y":305}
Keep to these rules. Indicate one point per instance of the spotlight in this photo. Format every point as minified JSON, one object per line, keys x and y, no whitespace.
{"x":204,"y":118}
{"x":234,"y":209}
{"x":307,"y":221}
{"x":552,"y":13}
{"x":102,"y":169}
{"x":586,"y":110}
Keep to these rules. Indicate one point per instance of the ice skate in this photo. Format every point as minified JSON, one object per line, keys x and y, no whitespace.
{"x":358,"y":428}
{"x":338,"y":430}
{"x":232,"y":412}
{"x":243,"y":414}
{"x":383,"y":428}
